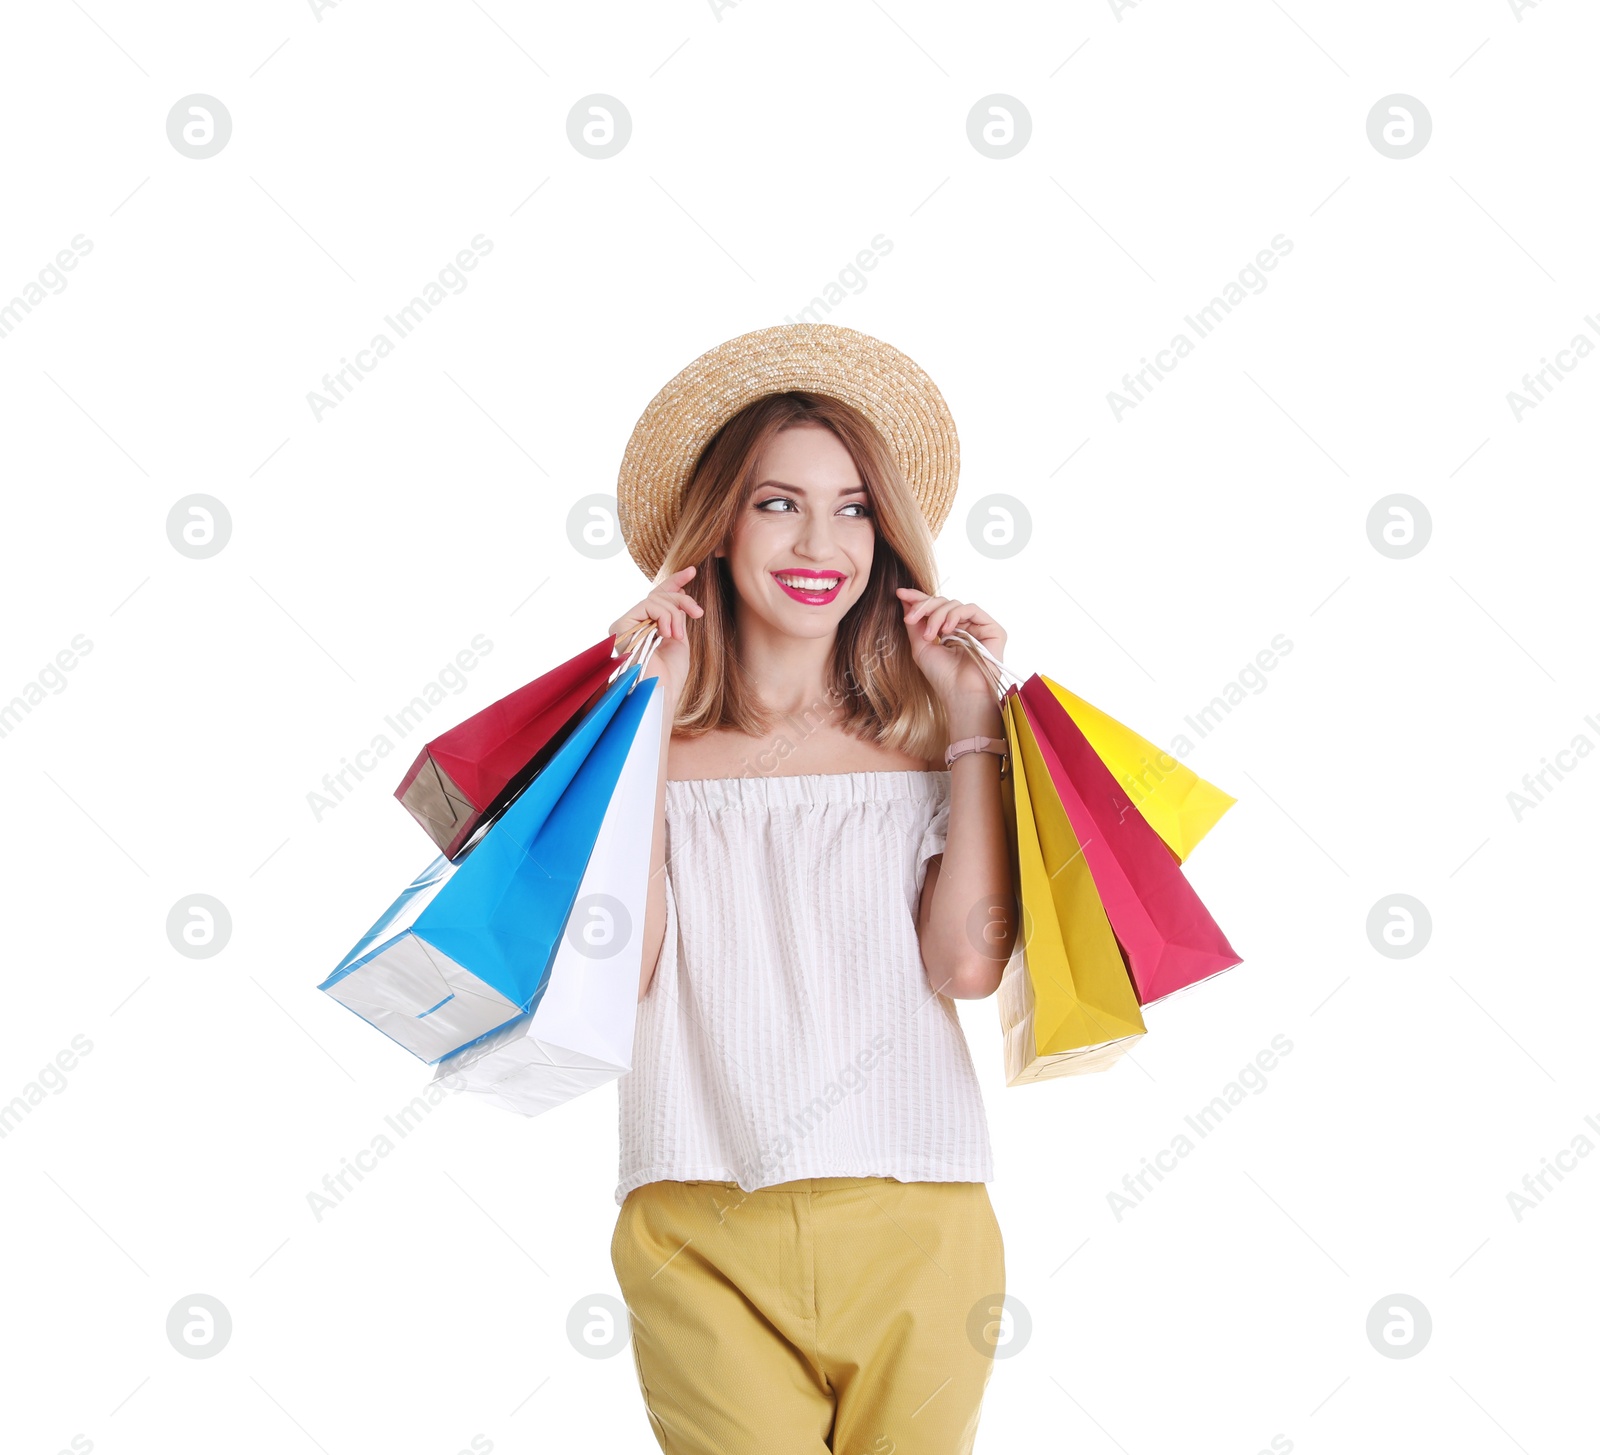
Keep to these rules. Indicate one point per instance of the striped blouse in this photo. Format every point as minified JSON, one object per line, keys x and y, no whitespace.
{"x":789,"y":1030}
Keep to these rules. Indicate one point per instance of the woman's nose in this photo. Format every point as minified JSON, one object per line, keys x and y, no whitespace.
{"x":816,"y":537}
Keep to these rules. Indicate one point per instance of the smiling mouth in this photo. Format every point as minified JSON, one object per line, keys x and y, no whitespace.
{"x":813,"y":590}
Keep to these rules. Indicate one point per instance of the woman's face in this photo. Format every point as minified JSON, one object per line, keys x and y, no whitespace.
{"x":802,"y":544}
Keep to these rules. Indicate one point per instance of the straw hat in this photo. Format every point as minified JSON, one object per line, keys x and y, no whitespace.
{"x":890,"y":389}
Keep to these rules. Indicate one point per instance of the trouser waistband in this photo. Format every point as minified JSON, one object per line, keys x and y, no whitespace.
{"x":799,"y":1184}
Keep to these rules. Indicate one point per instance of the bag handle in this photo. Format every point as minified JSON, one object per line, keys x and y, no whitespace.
{"x":632,"y":636}
{"x":652,"y":640}
{"x":994,"y":669}
{"x":645,"y":635}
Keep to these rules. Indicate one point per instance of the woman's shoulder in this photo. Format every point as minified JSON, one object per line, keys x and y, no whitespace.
{"x":701,"y":755}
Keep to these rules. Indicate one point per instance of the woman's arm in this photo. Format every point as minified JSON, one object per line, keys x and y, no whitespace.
{"x":966,"y":916}
{"x":670,"y":608}
{"x":655,"y":911}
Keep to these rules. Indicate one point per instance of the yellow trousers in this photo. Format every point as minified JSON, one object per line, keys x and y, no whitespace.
{"x":852,"y":1315}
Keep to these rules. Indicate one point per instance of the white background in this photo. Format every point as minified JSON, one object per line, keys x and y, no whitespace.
{"x":1170,"y":143}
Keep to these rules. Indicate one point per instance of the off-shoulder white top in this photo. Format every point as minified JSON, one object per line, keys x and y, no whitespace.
{"x":789,"y":1030}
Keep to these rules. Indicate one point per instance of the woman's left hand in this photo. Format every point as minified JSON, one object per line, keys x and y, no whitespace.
{"x":952,"y":671}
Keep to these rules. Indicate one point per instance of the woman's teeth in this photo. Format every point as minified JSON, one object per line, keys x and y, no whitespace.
{"x":810,"y":583}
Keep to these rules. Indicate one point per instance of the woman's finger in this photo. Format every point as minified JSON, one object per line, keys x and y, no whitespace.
{"x":938,"y":618}
{"x":987,"y":630}
{"x":971,"y":620}
{"x":967,"y":618}
{"x":658,"y":599}
{"x":984,"y":628}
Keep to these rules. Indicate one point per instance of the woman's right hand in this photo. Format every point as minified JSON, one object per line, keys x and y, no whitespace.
{"x":670,"y":607}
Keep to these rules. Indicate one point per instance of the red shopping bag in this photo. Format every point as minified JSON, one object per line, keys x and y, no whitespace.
{"x":1166,"y":933}
{"x":469,"y":773}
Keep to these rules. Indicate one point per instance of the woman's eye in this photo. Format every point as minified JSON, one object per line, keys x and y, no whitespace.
{"x":862,"y":511}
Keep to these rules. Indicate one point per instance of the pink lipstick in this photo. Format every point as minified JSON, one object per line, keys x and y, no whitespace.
{"x":809,"y":586}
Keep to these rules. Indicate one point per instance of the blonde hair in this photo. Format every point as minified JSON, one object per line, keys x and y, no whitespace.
{"x":887,"y":699}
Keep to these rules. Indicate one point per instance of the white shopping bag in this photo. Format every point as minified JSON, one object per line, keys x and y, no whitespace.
{"x":579,"y":1034}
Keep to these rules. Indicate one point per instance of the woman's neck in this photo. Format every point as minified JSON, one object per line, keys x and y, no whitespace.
{"x":788,"y":674}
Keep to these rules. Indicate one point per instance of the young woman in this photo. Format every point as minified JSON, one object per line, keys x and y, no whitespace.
{"x":806,"y":1242}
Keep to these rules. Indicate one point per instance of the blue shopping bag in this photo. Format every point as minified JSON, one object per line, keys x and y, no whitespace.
{"x":468,"y":944}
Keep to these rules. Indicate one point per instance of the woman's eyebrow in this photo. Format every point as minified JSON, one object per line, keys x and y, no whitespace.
{"x":801,"y":489}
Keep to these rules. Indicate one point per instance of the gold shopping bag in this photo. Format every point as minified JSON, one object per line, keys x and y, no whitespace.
{"x":1067,"y":1005}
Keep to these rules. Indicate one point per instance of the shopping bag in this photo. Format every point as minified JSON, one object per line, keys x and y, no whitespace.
{"x":1169,"y":937}
{"x":579,"y":1033}
{"x":1175,"y":801}
{"x":466,"y":946}
{"x":466,"y":774}
{"x":1066,"y":1003}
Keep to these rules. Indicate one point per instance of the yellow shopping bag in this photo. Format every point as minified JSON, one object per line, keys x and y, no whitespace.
{"x":1066,"y":1002}
{"x":1178,"y":804}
